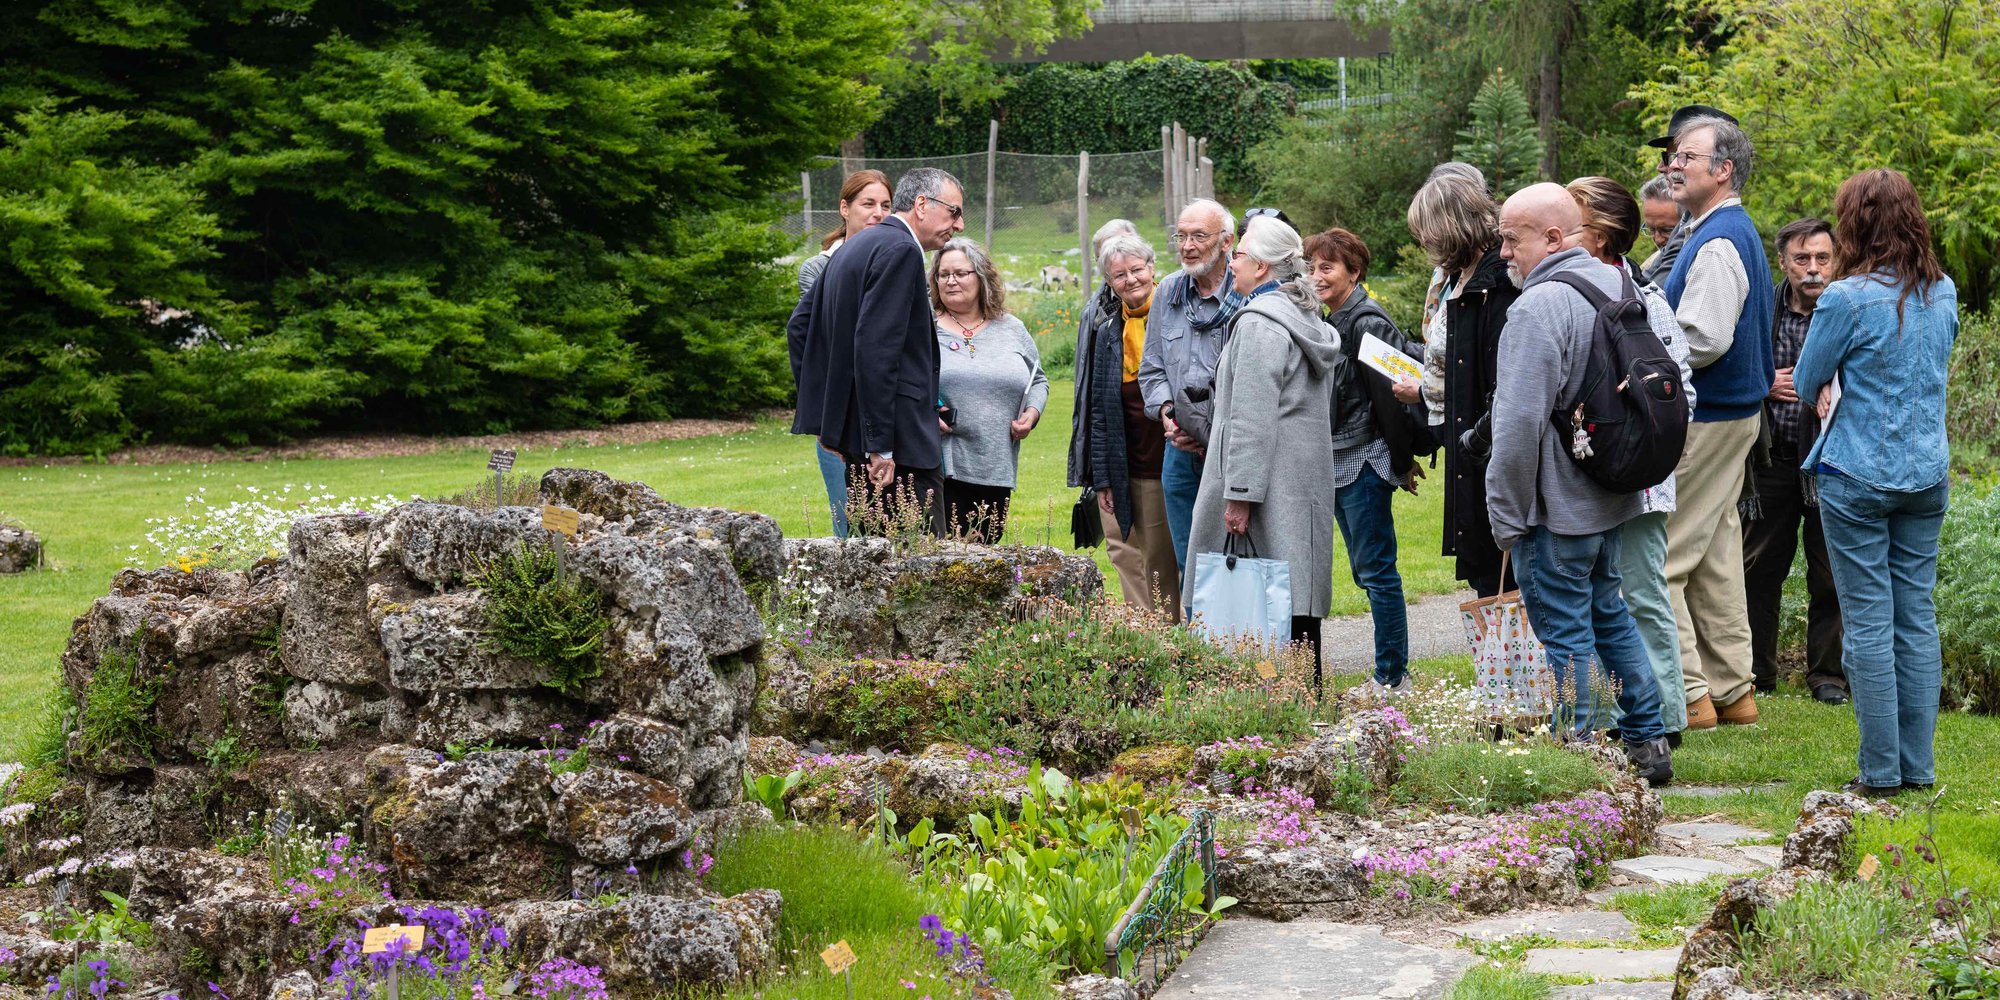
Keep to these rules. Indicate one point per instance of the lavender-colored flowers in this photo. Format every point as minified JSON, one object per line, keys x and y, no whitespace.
{"x":563,"y":979}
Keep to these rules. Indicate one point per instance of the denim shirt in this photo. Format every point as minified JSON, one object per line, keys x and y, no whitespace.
{"x":1176,"y":355}
{"x":1888,"y":429}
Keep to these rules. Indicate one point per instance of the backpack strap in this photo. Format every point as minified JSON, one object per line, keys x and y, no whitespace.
{"x":1591,"y":293}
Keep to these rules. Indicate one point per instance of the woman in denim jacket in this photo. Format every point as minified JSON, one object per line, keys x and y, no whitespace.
{"x":1882,"y":335}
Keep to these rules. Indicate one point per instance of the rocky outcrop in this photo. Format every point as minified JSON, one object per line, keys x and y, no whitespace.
{"x":1718,"y":942}
{"x":1096,"y":987}
{"x":20,"y":549}
{"x":1826,"y":823}
{"x":646,"y":943}
{"x":1294,"y":882}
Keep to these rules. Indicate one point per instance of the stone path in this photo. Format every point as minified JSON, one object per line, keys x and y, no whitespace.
{"x":1247,"y":958}
{"x":1562,"y":925}
{"x":1654,"y":990}
{"x":1435,"y":630}
{"x":1604,"y":963}
{"x":1665,"y":869}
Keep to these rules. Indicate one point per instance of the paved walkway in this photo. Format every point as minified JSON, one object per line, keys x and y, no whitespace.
{"x":1435,"y":630}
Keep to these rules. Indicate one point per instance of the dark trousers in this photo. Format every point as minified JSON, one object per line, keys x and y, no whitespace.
{"x":1305,"y":628}
{"x":1769,"y":543}
{"x":910,"y":503}
{"x":975,"y":513}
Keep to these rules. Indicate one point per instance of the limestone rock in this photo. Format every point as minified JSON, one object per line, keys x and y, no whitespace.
{"x":948,"y":781}
{"x":1720,"y":983}
{"x":1369,"y":741}
{"x":474,"y":717}
{"x":36,"y":957}
{"x":320,"y":712}
{"x":328,"y":603}
{"x":443,"y":544}
{"x":645,"y":943}
{"x":1096,"y":987}
{"x":475,"y":827}
{"x":297,"y":984}
{"x":771,"y":755}
{"x":1283,"y":884}
{"x":679,"y":579}
{"x":756,"y":546}
{"x":217,"y":905}
{"x":1158,"y":762}
{"x":1826,"y":821}
{"x":439,"y":643}
{"x":1717,"y":943}
{"x":20,"y":549}
{"x":611,"y":816}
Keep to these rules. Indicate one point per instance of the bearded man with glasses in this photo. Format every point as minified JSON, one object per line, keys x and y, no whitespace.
{"x":1185,"y":332}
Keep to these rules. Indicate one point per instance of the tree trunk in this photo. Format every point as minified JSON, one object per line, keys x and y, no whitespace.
{"x":1549,"y":92}
{"x":851,"y":153}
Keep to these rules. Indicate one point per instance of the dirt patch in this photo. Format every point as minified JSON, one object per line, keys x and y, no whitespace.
{"x":394,"y":445}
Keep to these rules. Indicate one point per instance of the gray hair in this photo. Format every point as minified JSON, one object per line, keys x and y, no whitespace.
{"x":1215,"y":208}
{"x":1274,"y":243}
{"x":992,"y":292}
{"x":1454,"y":219}
{"x":1730,"y":144}
{"x":921,"y":182}
{"x":1124,"y":245}
{"x":1116,"y":227}
{"x":1656,"y":188}
{"x":1458,"y":168}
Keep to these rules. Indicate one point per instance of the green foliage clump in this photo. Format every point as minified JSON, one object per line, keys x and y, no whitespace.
{"x":1972,"y":404}
{"x":1664,"y":914}
{"x":1968,"y":599}
{"x":1485,"y":981}
{"x":116,"y":714}
{"x":893,"y":704}
{"x":1480,"y":777}
{"x":531,"y":613}
{"x":517,"y":489}
{"x":1834,"y":935}
{"x":1500,"y":138}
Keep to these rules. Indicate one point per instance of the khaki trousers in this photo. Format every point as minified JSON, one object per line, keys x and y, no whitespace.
{"x":1145,"y":561}
{"x":1705,"y":560}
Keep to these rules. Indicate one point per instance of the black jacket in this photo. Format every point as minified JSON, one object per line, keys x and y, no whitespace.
{"x":1364,"y":403}
{"x":864,"y":351}
{"x":1102,"y":408}
{"x":1080,"y":440}
{"x":1473,"y":321}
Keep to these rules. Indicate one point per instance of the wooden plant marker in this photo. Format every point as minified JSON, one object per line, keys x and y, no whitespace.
{"x":1869,"y":866}
{"x":562,"y":521}
{"x":377,"y":940}
{"x":840,"y":958}
{"x":501,"y":462}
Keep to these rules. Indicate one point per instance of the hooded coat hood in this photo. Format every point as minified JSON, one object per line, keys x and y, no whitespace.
{"x":1318,"y":342}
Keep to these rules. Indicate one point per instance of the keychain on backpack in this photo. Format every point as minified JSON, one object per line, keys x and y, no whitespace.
{"x":1579,"y":439}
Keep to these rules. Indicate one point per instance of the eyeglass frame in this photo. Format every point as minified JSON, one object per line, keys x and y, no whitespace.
{"x":957,"y":277}
{"x":1198,"y":238}
{"x":1680,"y":157}
{"x":957,"y":211}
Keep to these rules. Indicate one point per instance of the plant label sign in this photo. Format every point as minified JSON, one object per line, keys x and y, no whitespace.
{"x":502,"y":460}
{"x":560,"y":519}
{"x":381,"y":939}
{"x":839,"y":957}
{"x":1267,"y":670}
{"x":1869,"y":866}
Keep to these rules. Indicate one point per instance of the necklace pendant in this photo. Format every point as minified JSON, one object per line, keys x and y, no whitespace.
{"x":952,"y":346}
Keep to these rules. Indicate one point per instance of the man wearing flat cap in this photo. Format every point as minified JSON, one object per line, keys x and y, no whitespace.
{"x":1662,"y":263}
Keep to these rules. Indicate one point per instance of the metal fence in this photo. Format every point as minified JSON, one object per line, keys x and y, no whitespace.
{"x":1157,"y":930}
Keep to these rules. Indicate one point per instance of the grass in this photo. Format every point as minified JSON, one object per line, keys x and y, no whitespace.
{"x":1663,"y":915}
{"x":1488,"y":981}
{"x":92,"y":516}
{"x":1843,"y":934}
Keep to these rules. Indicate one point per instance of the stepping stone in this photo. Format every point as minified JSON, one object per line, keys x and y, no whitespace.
{"x":1615,"y":991}
{"x":1604,"y":963}
{"x":1723,"y":834}
{"x":1713,"y":791}
{"x":1667,"y":870}
{"x":1768,"y":855}
{"x":1562,"y":925}
{"x":1603,"y":897}
{"x":1245,"y":958}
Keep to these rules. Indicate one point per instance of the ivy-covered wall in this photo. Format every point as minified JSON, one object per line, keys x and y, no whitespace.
{"x":1063,"y":108}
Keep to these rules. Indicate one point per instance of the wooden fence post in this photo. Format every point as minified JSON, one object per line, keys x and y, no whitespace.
{"x":806,"y":202}
{"x":1167,"y":175}
{"x":1083,"y":216}
{"x":992,"y":153}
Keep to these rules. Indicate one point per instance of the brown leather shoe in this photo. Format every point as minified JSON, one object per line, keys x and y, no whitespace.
{"x":1741,"y":712}
{"x":1701,"y":713}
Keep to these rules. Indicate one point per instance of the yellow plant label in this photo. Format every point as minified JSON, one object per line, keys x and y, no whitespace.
{"x":1267,"y":670}
{"x":1869,"y":866}
{"x":381,"y":939}
{"x":838,"y":957}
{"x":1131,"y":819}
{"x":560,"y":519}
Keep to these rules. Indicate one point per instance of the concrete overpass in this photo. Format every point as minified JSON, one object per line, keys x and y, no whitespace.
{"x":1218,"y":29}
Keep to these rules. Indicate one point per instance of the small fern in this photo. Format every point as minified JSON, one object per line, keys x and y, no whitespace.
{"x":558,"y":623}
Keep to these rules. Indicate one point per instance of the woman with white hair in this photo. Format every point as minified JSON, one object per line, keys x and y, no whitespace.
{"x":1269,"y":448}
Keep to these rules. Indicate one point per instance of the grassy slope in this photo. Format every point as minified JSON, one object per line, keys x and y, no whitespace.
{"x":90,"y":516}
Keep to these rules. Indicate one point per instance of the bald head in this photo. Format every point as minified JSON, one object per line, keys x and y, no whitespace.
{"x":1533,"y":224}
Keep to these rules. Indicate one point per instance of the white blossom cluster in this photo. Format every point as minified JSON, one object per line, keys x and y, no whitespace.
{"x":242,"y":531}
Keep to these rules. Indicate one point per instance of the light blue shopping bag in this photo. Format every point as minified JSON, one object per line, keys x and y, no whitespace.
{"x":1242,"y":598}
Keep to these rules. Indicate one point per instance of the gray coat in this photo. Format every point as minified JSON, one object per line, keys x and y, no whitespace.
{"x":1270,"y":446}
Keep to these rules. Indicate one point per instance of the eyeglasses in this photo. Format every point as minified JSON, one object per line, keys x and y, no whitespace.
{"x":1199,"y":239}
{"x":1681,"y":158}
{"x":944,"y":276}
{"x":957,"y":211}
{"x":1659,"y":233}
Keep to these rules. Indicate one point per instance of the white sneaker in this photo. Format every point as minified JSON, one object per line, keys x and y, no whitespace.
{"x":1388,"y":692}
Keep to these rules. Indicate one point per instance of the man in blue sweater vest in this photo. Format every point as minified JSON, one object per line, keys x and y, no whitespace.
{"x":1721,"y":291}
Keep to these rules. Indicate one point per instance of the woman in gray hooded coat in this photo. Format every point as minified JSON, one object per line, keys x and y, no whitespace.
{"x":1269,"y":450}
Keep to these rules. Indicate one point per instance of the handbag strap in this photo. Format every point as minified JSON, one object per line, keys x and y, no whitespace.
{"x":1229,"y":544}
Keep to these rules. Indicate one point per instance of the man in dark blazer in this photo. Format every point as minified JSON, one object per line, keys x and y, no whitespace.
{"x":864,"y":350}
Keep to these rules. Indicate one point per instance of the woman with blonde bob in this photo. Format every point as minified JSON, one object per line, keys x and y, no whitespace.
{"x":1269,"y":448}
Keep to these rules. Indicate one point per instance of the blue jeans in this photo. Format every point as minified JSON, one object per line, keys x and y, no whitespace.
{"x":1884,"y":548}
{"x":1569,"y":584}
{"x":1368,"y":529}
{"x":833,"y":470}
{"x":1642,"y":572}
{"x":1180,"y":480}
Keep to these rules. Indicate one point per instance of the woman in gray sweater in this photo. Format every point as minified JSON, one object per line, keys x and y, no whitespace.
{"x":991,"y":386}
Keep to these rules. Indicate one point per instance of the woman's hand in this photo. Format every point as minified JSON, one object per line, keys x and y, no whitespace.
{"x":1236,"y":516}
{"x":943,"y":428}
{"x":1026,"y":422}
{"x":1105,"y":503}
{"x":1825,"y":406}
{"x":1408,"y":390}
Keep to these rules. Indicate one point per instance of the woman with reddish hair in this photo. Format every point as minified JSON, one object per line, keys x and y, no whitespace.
{"x":1876,"y":359}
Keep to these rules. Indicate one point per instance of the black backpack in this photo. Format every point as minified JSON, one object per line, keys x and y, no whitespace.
{"x":1627,"y":428}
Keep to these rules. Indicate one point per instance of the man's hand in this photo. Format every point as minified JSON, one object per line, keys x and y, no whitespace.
{"x":1782,"y":388}
{"x":1175,"y":436}
{"x":1825,"y":406}
{"x":1408,"y":390}
{"x":1105,"y":503}
{"x":881,"y":471}
{"x":943,"y":428}
{"x":1410,"y":481}
{"x":1026,"y":422}
{"x":1236,"y":516}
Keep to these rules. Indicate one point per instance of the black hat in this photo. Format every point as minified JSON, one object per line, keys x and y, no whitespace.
{"x":1684,"y":115}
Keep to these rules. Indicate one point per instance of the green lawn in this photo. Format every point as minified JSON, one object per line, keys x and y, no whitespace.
{"x":90,"y":516}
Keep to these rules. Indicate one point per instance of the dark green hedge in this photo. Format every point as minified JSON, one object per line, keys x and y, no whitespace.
{"x":1063,"y":108}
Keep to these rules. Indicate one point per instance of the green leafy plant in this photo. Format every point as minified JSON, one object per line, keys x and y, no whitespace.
{"x":228,"y":753}
{"x":1968,"y":598}
{"x":556,"y":622}
{"x":460,"y":749}
{"x":1481,"y":777}
{"x":112,"y":925}
{"x":1837,"y":935}
{"x":1501,"y":139}
{"x":116,"y":714}
{"x":770,"y":790}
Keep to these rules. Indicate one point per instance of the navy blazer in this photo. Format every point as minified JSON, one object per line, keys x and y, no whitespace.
{"x":864,"y":351}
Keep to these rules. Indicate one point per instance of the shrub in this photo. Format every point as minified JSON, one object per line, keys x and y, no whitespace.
{"x":1489,"y":777}
{"x":1968,"y":599}
{"x":558,"y":622}
{"x":892,"y":704}
{"x":1972,"y":413}
{"x":1500,"y":138}
{"x":1835,"y":935}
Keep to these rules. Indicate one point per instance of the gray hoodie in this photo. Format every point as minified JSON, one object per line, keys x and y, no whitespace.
{"x":1531,"y":479}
